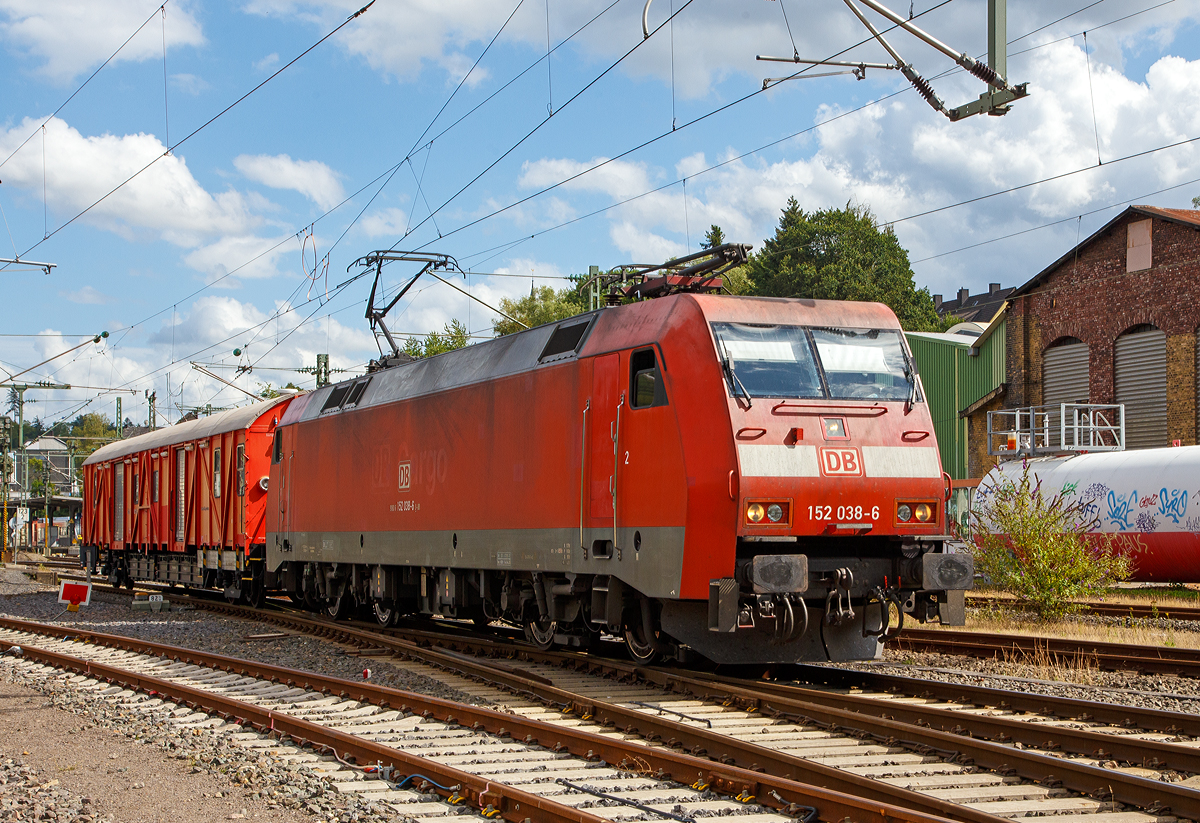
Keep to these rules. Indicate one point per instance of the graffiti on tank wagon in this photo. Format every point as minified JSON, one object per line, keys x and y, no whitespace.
{"x":1173,"y":504}
{"x":1120,"y":507}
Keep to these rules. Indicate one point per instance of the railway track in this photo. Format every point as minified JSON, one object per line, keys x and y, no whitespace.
{"x":1138,"y":611}
{"x":872,"y":745}
{"x":1021,"y":648}
{"x":501,"y":764}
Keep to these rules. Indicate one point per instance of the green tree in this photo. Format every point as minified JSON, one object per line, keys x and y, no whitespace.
{"x":454,"y":335}
{"x":841,"y":254}
{"x":1196,"y":202}
{"x":542,"y":305}
{"x":1035,"y":545}
{"x":713,"y":237}
{"x":94,"y":430}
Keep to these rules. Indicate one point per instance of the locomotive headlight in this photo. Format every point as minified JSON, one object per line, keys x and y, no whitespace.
{"x":774,"y":512}
{"x":755,"y":512}
{"x":903,"y":513}
{"x":924,"y":512}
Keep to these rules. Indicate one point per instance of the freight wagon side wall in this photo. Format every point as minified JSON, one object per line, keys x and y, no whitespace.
{"x":180,"y":493}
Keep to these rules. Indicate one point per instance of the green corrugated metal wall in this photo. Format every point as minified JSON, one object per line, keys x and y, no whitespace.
{"x":953,"y":380}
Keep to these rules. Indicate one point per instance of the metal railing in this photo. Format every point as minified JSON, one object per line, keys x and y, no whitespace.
{"x":1068,"y":427}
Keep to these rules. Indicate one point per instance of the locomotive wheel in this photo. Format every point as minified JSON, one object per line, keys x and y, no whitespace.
{"x":385,"y":615}
{"x":639,"y":647}
{"x":541,"y":632}
{"x":340,"y":608}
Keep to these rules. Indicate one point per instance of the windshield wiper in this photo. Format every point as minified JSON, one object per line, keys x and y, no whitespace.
{"x":733,"y":378}
{"x":910,"y":374}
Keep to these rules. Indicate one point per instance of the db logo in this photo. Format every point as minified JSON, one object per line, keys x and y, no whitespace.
{"x":405,"y":476}
{"x":841,"y":461}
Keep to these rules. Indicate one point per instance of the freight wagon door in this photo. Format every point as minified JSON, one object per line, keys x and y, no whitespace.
{"x":601,"y":427}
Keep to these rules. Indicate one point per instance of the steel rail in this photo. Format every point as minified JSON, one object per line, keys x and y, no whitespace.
{"x":1043,"y":768}
{"x":1147,"y":611}
{"x":1108,"y":656}
{"x":1151,"y":754}
{"x":488,"y":796}
{"x":1034,"y":765}
{"x":768,"y":789}
{"x":1115,"y":714}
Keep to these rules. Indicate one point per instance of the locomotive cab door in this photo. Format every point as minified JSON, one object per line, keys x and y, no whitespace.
{"x":602,"y":477}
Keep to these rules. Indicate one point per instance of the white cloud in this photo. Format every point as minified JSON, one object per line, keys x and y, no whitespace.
{"x":248,"y":257}
{"x":385,"y":223}
{"x":312,"y":178}
{"x":87,"y":296}
{"x":189,"y":84}
{"x":72,"y":36}
{"x":900,"y":158}
{"x":267,"y":63}
{"x":164,"y":200}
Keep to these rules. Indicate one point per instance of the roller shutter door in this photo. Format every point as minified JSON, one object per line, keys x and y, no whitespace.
{"x":1065,"y":379}
{"x":1140,"y":367}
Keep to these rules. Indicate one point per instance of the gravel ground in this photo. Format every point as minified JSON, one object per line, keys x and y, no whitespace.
{"x":72,"y":757}
{"x":206,"y":632}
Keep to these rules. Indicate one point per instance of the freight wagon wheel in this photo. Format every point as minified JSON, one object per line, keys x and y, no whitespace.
{"x":340,"y":608}
{"x":640,"y":649}
{"x":540,"y":632}
{"x":385,"y":615}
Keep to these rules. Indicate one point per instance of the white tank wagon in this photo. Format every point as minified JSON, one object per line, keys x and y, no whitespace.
{"x":1150,"y":497}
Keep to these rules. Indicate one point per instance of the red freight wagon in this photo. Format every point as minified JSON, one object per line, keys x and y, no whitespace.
{"x":185,"y":504}
{"x":756,"y":479}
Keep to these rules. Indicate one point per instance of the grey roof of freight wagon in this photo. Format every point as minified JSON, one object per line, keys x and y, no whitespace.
{"x":231,"y":420}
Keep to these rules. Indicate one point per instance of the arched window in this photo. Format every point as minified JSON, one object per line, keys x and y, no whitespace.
{"x":1140,"y":382}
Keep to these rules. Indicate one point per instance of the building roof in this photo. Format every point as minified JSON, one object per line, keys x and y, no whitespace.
{"x":46,"y":443}
{"x":1186,"y":217}
{"x":979,"y":308}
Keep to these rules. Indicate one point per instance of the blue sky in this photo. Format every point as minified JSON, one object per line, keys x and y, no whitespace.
{"x":350,"y":149}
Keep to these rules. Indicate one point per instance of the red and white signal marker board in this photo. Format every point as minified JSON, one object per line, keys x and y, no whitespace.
{"x":74,"y":594}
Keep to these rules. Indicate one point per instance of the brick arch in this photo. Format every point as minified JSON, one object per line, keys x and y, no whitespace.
{"x":1063,"y":339}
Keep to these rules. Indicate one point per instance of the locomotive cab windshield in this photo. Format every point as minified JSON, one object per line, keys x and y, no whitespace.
{"x":814,"y":362}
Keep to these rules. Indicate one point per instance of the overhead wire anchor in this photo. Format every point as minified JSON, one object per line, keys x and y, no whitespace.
{"x":995,"y":101}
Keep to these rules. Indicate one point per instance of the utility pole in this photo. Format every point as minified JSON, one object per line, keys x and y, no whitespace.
{"x":322,"y":370}
{"x":46,"y":481}
{"x":152,"y":396}
{"x":20,"y":389}
{"x":5,"y":464}
{"x":120,"y":424}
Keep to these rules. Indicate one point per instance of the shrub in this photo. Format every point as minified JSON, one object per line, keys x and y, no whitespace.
{"x":1035,"y":545}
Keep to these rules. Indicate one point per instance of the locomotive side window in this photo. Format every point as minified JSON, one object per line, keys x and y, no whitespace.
{"x":217,"y":472}
{"x":646,"y":387}
{"x":180,"y":493}
{"x":277,"y":451}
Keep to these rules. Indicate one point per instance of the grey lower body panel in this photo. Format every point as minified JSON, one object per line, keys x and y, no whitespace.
{"x":655,"y":568}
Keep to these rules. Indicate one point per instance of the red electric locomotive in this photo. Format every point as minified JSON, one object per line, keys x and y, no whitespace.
{"x":754,"y":479}
{"x":185,"y":504}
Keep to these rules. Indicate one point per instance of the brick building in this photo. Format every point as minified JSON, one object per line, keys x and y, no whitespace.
{"x":1114,"y":320}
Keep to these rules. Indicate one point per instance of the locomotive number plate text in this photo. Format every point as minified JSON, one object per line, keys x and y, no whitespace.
{"x":843,"y":513}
